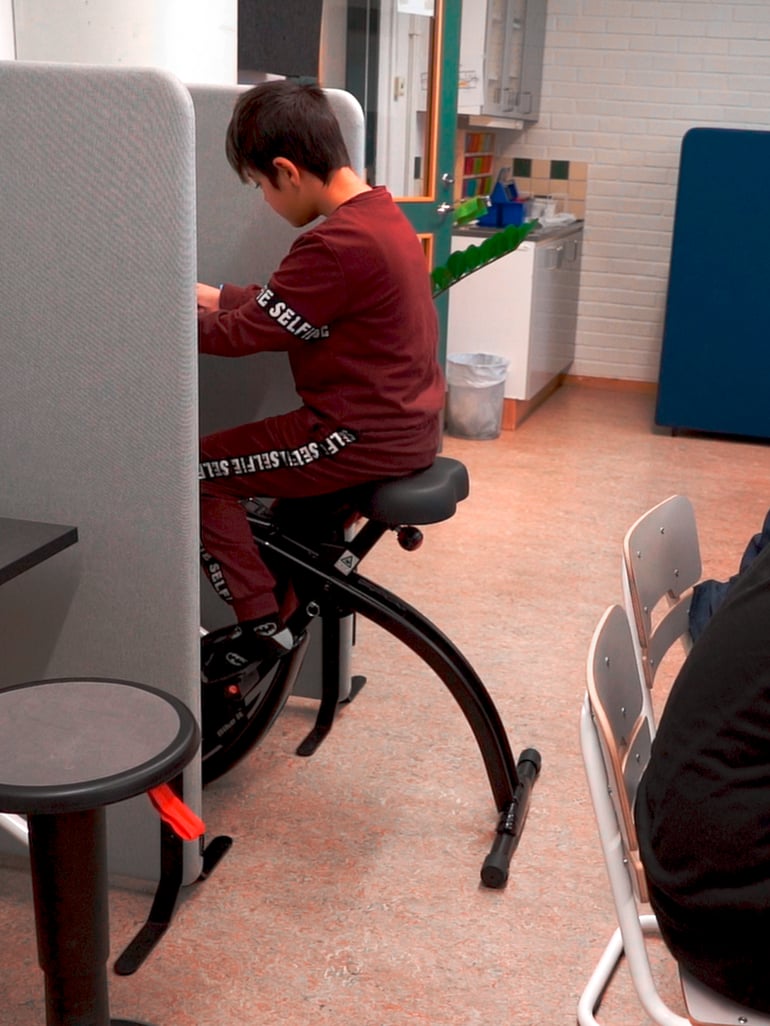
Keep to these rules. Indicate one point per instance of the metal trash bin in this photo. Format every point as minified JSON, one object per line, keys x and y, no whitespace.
{"x":476,"y":391}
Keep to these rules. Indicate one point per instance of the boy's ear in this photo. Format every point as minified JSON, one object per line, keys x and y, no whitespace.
{"x":288,"y":168}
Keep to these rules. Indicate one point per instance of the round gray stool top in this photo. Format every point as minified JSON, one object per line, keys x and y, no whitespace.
{"x":68,"y":745}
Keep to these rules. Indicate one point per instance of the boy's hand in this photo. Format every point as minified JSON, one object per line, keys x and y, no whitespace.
{"x":207,"y":297}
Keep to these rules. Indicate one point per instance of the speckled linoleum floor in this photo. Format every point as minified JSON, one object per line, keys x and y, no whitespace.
{"x":351,"y":894}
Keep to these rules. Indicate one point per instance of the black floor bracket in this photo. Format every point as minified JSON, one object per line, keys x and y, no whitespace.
{"x":325,"y":717}
{"x":167,"y":895}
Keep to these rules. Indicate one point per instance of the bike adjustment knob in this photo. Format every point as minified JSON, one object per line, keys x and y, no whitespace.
{"x":409,"y":538}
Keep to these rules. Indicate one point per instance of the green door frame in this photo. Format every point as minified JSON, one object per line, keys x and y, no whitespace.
{"x":423,"y":211}
{"x":430,"y":223}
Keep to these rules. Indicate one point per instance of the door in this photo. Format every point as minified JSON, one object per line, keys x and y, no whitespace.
{"x":400,"y":59}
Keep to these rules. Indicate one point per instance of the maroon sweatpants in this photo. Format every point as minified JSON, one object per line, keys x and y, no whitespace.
{"x":291,"y":456}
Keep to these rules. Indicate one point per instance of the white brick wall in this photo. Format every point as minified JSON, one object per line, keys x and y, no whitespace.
{"x":623,"y":80}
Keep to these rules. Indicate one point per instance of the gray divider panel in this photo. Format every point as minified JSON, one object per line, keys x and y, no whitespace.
{"x":98,"y":390}
{"x":241,"y":240}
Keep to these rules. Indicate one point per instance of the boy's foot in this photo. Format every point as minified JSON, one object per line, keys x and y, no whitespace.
{"x":235,"y":650}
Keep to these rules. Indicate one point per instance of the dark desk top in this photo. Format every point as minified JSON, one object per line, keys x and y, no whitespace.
{"x":25,"y":543}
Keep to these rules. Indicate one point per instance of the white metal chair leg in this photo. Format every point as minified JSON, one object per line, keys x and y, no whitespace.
{"x":594,"y":990}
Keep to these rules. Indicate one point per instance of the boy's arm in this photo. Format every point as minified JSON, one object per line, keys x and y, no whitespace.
{"x":207,"y":297}
{"x":220,"y":333}
{"x":303,"y":295}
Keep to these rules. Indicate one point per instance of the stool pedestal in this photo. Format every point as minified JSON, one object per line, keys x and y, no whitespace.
{"x":68,"y":748}
{"x":71,"y":914}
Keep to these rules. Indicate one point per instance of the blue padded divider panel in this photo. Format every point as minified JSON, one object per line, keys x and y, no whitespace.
{"x":99,"y":389}
{"x":715,"y":358}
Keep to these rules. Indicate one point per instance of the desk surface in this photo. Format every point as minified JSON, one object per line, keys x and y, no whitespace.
{"x":25,"y":543}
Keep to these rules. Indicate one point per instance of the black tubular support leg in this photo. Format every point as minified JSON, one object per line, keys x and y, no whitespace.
{"x":450,"y":665}
{"x":511,"y":784}
{"x":494,"y":872}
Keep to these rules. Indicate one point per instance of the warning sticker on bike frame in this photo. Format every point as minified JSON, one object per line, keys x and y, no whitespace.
{"x":347,"y":562}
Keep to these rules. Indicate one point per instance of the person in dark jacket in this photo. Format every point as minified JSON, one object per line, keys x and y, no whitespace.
{"x":351,"y":304}
{"x":703,"y":806}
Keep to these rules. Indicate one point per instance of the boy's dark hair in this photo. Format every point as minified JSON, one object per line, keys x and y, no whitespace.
{"x":285,"y":119}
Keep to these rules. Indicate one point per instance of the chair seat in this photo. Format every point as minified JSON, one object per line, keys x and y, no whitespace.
{"x":427,"y":497}
{"x":71,"y":745}
{"x":707,"y":1008}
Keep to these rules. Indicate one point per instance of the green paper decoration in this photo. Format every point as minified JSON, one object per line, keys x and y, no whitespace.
{"x":470,"y":210}
{"x":463,"y":262}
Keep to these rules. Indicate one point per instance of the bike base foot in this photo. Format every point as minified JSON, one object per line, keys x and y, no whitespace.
{"x":323,"y":723}
{"x":513,"y":815}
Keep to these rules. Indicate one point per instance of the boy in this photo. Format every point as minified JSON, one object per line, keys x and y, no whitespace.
{"x":351,"y":304}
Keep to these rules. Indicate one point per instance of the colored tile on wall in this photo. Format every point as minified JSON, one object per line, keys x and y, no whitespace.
{"x":563,"y":181}
{"x":560,"y":170}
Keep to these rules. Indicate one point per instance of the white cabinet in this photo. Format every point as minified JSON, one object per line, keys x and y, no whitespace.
{"x":523,"y":307}
{"x":555,"y":293}
{"x":501,"y":59}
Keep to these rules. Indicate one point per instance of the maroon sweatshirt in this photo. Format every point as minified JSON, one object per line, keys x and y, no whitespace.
{"x":351,"y":304}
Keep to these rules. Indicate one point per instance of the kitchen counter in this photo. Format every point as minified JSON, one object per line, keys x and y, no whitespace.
{"x":539,"y":234}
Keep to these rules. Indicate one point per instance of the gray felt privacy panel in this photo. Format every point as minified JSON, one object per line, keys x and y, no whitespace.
{"x":98,"y":391}
{"x":99,"y":385}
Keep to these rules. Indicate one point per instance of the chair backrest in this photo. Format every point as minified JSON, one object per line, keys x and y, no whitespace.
{"x":662,"y":564}
{"x":615,"y":736}
{"x":619,"y":703}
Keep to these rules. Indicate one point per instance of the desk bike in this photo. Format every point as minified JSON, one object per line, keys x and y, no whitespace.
{"x":311,"y":544}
